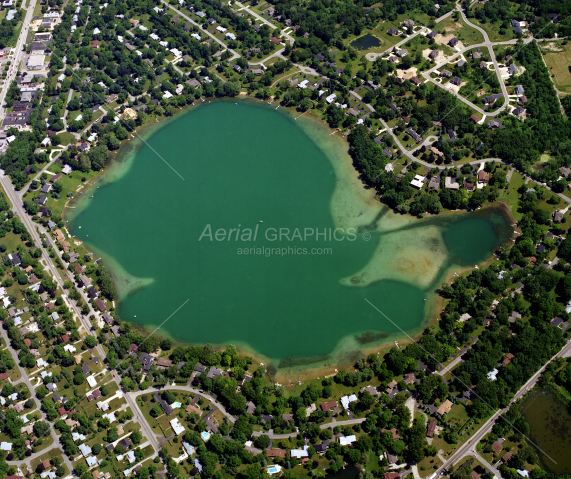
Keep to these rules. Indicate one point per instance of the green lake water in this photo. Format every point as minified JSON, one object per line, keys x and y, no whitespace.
{"x":247,"y":167}
{"x":550,"y":430}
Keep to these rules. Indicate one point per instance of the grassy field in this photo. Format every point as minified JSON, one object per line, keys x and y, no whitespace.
{"x":493,"y":31}
{"x":465,"y":33}
{"x":510,"y":194}
{"x":558,"y":60}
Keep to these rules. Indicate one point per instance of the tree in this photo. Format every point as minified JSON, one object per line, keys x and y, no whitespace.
{"x":90,"y":341}
{"x":78,"y":379}
{"x":41,"y":428}
{"x":263,"y":441}
{"x":305,"y":104}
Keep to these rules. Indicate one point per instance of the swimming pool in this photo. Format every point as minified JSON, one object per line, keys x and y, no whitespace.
{"x":273,"y":470}
{"x":175,"y":405}
{"x":205,"y":436}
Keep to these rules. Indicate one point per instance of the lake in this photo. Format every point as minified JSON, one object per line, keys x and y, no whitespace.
{"x":550,"y":429}
{"x":259,"y":233}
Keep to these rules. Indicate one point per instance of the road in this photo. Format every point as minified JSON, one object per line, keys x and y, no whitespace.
{"x":231,"y":418}
{"x":263,"y":20}
{"x":374,"y":56}
{"x":450,"y":367}
{"x":186,"y":17}
{"x":469,"y":448}
{"x":18,"y":53}
{"x":348,"y":422}
{"x":26,"y":380}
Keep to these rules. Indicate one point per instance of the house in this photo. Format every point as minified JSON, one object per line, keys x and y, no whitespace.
{"x":497,"y":447}
{"x":513,"y":69}
{"x":433,"y":55}
{"x":519,"y":111}
{"x":392,"y":475}
{"x":392,"y":31}
{"x":445,"y":74}
{"x":415,"y":80}
{"x":409,"y":378}
{"x":493,"y":123}
{"x":275,"y":40}
{"x":453,"y":42}
{"x":507,"y":456}
{"x":508,"y":359}
{"x":322,"y":448}
{"x":276,"y":453}
{"x":445,"y":407}
{"x":299,"y":453}
{"x":402,"y":52}
{"x":413,"y":134}
{"x":417,"y":182}
{"x":408,"y":23}
{"x":431,"y":35}
{"x":519,"y":90}
{"x":147,"y":361}
{"x":101,"y":304}
{"x":347,"y":440}
{"x":474,"y":475}
{"x":431,"y":429}
{"x":42,"y":199}
{"x":176,"y":426}
{"x":164,"y":363}
{"x":490,"y":100}
{"x":434,"y":183}
{"x":557,"y":216}
{"x":492,"y":375}
{"x":346,"y":400}
{"x":483,"y":177}
{"x":326,"y":406}
{"x":522,"y":99}
{"x":456,"y":81}
{"x":475,"y":118}
{"x":56,"y":177}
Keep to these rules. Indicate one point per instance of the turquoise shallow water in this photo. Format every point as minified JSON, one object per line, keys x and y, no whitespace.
{"x":248,"y":167}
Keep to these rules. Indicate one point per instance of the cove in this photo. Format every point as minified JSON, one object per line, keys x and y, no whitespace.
{"x":269,"y":240}
{"x":549,"y":421}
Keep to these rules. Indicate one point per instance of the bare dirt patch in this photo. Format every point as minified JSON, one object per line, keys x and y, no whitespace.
{"x":444,"y":39}
{"x":551,"y":47}
{"x":406,"y":74}
{"x":440,"y":58}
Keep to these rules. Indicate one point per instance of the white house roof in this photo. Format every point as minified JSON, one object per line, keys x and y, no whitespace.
{"x":492,"y":374}
{"x":345,"y":400}
{"x":84,"y":449}
{"x":345,"y":441}
{"x":91,"y":381}
{"x":297,"y":453}
{"x":177,"y":427}
{"x":331,"y":98}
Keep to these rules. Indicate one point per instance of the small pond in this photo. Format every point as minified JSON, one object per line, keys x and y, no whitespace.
{"x":550,"y":429}
{"x":366,"y":42}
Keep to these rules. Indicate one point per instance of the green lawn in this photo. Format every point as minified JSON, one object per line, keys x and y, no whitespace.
{"x":510,"y":195}
{"x":558,"y":59}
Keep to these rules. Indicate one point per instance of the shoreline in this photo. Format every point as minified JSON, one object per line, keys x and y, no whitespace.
{"x":340,"y":357}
